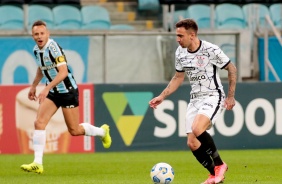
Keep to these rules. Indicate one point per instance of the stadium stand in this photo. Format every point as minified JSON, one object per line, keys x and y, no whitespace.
{"x":41,"y":2}
{"x":95,"y":17}
{"x":41,"y":12}
{"x":122,"y":27}
{"x":200,"y":13}
{"x":227,"y":19}
{"x":200,"y":1}
{"x":20,"y":2}
{"x":11,"y":18}
{"x":229,"y":1}
{"x":148,"y":4}
{"x":67,"y":17}
{"x":276,"y":14}
{"x":178,"y":15}
{"x":74,"y":2}
{"x":255,"y":15}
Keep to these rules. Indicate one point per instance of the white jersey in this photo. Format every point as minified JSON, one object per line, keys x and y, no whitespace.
{"x":201,"y":67}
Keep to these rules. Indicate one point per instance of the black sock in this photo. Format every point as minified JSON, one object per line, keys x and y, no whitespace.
{"x":209,"y":147}
{"x":204,"y":159}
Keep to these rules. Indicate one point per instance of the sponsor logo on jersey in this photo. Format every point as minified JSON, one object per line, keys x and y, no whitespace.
{"x":49,"y":67}
{"x":197,"y":78}
{"x":53,"y":48}
{"x":189,"y":68}
{"x":208,"y":104}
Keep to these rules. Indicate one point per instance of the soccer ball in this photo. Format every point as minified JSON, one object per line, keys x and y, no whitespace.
{"x":162,"y":173}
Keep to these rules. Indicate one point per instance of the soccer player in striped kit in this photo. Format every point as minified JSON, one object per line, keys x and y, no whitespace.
{"x":200,"y":61}
{"x":61,"y":90}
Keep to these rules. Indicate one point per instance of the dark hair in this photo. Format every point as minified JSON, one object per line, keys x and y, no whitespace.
{"x":39,"y":23}
{"x":187,"y":24}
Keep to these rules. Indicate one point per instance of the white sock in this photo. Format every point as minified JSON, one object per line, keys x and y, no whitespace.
{"x":91,"y":130}
{"x":39,"y":141}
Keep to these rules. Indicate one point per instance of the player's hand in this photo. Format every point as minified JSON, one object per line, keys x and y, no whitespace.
{"x":32,"y":94}
{"x":229,"y":103}
{"x":43,"y":95}
{"x":155,"y":102}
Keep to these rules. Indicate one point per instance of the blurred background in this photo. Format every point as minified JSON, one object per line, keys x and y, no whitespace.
{"x":122,"y":54}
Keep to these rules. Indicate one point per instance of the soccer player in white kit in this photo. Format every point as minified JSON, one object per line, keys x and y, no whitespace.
{"x":200,"y":61}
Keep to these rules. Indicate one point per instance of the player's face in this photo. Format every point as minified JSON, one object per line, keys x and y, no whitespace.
{"x":40,"y":35}
{"x":184,"y":37}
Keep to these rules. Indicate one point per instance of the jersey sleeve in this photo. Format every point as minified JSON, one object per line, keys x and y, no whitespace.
{"x":220,"y":59}
{"x":178,"y":66}
{"x":57,"y":53}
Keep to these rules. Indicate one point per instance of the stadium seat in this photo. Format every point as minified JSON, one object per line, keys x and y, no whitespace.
{"x":11,"y":17}
{"x":40,"y":12}
{"x":67,"y":17}
{"x":178,"y":15}
{"x":276,"y":14}
{"x":227,"y":19}
{"x":95,"y":17}
{"x":148,"y":4}
{"x":201,"y":14}
{"x":255,"y":14}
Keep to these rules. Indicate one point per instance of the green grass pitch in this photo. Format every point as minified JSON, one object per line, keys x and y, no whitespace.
{"x":245,"y":167}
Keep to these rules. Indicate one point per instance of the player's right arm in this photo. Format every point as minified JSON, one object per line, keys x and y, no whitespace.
{"x":173,"y":85}
{"x":37,"y":79}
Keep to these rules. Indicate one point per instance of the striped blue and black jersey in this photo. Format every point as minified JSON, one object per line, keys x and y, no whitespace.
{"x":48,"y":59}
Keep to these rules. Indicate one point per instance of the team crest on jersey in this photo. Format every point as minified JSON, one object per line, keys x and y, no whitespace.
{"x":201,"y":61}
{"x":45,"y":58}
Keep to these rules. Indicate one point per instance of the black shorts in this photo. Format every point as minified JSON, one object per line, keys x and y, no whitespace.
{"x":65,"y":100}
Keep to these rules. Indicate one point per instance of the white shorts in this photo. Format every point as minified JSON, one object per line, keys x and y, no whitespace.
{"x":210,"y":106}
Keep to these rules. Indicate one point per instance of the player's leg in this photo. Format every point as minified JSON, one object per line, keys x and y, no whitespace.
{"x":202,"y":157}
{"x":45,"y":111}
{"x":71,"y":116}
{"x":194,"y":144}
{"x":209,"y":147}
{"x":208,"y":113}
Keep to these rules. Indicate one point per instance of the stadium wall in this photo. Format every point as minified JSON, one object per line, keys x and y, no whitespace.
{"x":254,"y":123}
{"x":116,"y":58}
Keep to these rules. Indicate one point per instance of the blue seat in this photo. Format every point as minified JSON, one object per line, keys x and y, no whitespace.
{"x":227,"y":19}
{"x":148,"y":4}
{"x":276,"y":14}
{"x":95,"y":17}
{"x":40,"y":12}
{"x":201,"y":14}
{"x":11,"y":17}
{"x":67,"y":17}
{"x":255,"y":14}
{"x":179,"y":15}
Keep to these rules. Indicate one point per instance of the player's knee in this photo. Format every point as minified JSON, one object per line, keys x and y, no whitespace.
{"x":192,"y":144}
{"x":39,"y":124}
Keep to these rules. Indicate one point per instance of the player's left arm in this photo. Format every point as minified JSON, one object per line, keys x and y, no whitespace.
{"x":232,"y":78}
